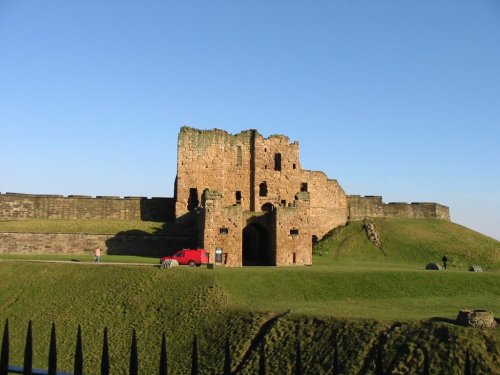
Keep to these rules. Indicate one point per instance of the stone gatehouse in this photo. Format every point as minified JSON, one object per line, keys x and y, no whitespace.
{"x":243,"y":196}
{"x":252,"y":199}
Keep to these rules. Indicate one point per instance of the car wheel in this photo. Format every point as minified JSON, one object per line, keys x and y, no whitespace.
{"x":192,"y":263}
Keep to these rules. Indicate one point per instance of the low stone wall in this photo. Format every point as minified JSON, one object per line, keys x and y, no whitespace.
{"x":80,"y":244}
{"x":373,"y":207}
{"x":15,"y":206}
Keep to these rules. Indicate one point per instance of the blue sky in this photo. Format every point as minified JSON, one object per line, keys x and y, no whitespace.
{"x":392,"y":98}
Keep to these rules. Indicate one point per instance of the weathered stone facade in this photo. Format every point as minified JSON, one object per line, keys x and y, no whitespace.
{"x":81,"y":243}
{"x":243,"y":195}
{"x":260,"y":206}
{"x":15,"y":206}
{"x":372,"y":206}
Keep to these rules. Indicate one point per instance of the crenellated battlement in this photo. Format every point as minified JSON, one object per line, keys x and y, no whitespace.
{"x":244,"y":198}
{"x":371,"y":206}
{"x":15,"y":206}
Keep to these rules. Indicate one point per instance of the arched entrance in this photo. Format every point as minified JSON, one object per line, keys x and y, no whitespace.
{"x":256,"y":246}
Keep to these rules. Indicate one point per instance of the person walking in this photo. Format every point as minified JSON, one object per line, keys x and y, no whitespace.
{"x":445,"y":262}
{"x":97,"y":258}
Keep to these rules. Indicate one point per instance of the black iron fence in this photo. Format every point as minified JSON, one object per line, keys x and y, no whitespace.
{"x":27,"y":368}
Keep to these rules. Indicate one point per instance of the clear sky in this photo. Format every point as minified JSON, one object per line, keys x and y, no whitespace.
{"x":392,"y":98}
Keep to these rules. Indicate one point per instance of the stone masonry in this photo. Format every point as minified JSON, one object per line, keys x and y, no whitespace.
{"x":372,"y":207}
{"x":15,"y":206}
{"x":243,"y":197}
{"x":258,"y":205}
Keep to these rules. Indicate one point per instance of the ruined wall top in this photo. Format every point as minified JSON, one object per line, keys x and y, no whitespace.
{"x":209,"y":134}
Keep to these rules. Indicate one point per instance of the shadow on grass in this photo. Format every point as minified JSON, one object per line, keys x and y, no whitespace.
{"x":438,"y":319}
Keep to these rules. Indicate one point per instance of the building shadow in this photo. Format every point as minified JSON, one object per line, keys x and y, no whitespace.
{"x":166,"y":240}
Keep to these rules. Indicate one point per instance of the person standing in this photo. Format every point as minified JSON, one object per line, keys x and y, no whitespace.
{"x":445,"y":262}
{"x":97,"y":258}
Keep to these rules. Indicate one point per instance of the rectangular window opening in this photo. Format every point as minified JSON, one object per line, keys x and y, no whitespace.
{"x":277,"y":162}
{"x":263,"y":189}
{"x":238,"y":197}
{"x":223,"y":230}
{"x":294,"y":232}
{"x":303,"y":187}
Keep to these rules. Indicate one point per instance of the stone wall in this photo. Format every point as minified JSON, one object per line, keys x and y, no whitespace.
{"x":14,"y":206}
{"x":84,"y":244}
{"x":294,"y":233}
{"x":373,"y":207}
{"x":221,"y":227}
{"x":285,"y":230}
{"x":253,"y":171}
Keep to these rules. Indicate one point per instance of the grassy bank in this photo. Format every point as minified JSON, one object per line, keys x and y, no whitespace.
{"x":88,"y":226}
{"x":355,"y":293}
{"x":414,"y":241}
{"x":318,"y":305}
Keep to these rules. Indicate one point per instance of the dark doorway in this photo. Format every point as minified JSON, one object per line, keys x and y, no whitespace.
{"x":193,"y":200}
{"x":256,"y":251}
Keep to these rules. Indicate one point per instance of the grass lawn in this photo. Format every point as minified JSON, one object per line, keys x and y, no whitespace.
{"x":92,"y":226}
{"x":350,"y":290}
{"x":366,"y":297}
{"x":352,"y":293}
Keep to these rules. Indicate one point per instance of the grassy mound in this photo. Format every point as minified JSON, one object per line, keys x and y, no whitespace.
{"x":417,"y":241}
{"x":316,"y":307}
{"x":88,"y":226}
{"x":356,"y":295}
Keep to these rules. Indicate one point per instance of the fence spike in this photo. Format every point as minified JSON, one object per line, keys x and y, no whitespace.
{"x":105,"y":354}
{"x":134,"y":366}
{"x":28,"y":351}
{"x":262,"y":359}
{"x":194,"y":357}
{"x":227,"y":358}
{"x":335,"y":364}
{"x":163,"y":356}
{"x":78,"y":369}
{"x":468,"y":367}
{"x":379,"y":366}
{"x":53,"y":351}
{"x":427,"y":364}
{"x":298,"y":360}
{"x":4,"y":357}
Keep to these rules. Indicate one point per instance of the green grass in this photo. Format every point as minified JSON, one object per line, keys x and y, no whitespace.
{"x":352,"y":293}
{"x":417,"y":241}
{"x":89,"y":226}
{"x":355,"y":302}
{"x":375,"y":291}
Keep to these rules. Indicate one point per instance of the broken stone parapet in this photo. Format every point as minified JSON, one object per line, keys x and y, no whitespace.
{"x":372,"y":233}
{"x":476,"y":318}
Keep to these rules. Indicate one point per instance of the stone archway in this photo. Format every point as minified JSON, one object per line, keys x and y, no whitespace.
{"x":256,"y":246}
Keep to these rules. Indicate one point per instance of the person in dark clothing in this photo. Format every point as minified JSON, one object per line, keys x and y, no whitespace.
{"x":445,"y":262}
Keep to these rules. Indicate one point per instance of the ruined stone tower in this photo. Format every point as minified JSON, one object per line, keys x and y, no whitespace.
{"x":252,"y":201}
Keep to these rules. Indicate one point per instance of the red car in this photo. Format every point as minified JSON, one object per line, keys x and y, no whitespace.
{"x":189,"y":257}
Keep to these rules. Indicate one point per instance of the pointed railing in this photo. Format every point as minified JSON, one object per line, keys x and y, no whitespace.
{"x":27,"y":368}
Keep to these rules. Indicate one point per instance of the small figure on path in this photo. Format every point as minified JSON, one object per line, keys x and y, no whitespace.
{"x":97,"y":254}
{"x":445,"y":262}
